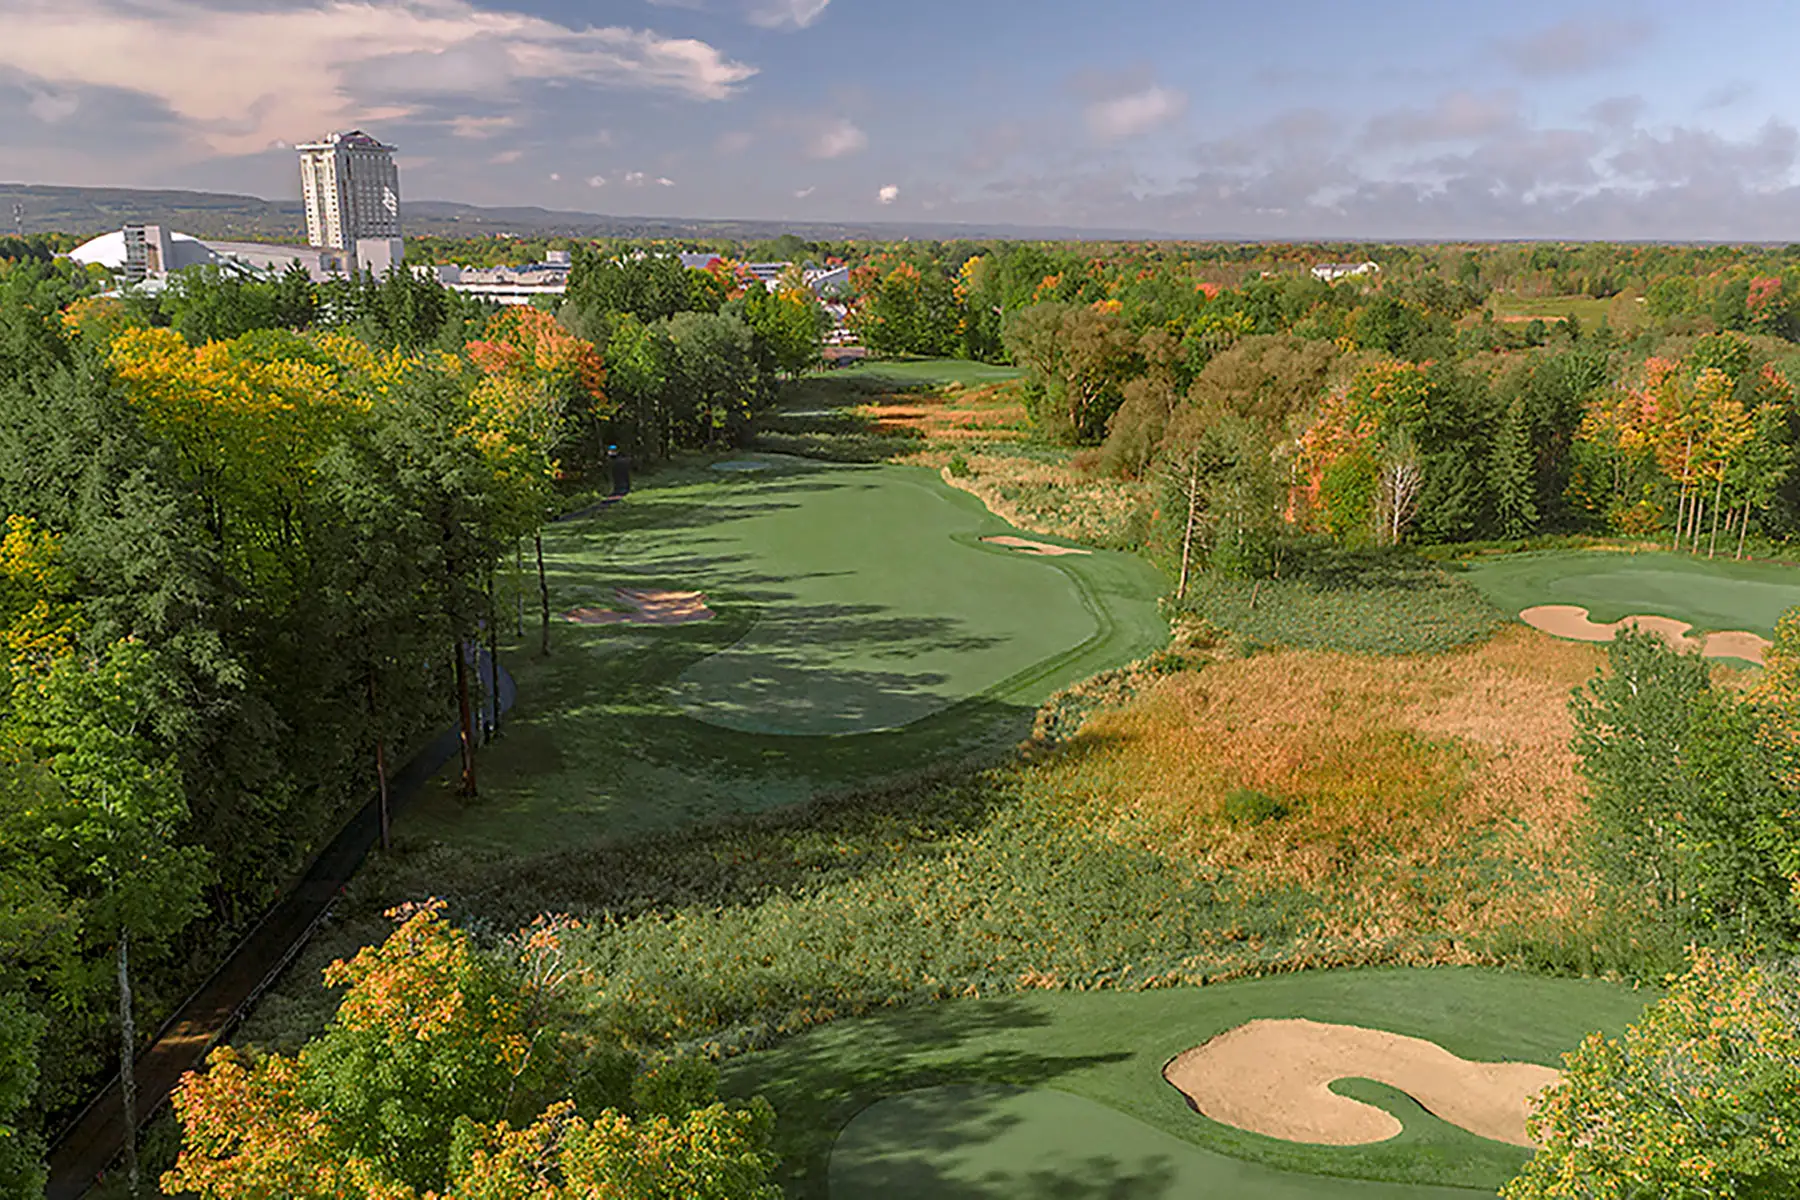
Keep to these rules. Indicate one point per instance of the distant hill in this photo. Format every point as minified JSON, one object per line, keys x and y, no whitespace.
{"x":88,"y":210}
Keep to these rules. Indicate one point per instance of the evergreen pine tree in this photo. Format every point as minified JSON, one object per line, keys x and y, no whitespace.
{"x":1510,"y":475}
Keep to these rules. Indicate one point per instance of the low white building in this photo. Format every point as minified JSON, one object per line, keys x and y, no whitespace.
{"x":151,"y":252}
{"x":1332,"y":272}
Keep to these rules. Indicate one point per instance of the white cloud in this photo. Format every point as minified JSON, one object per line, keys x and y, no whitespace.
{"x":664,"y":181}
{"x":888,"y":194}
{"x":634,"y":179}
{"x":507,"y":156}
{"x":1135,"y":113}
{"x":804,"y":192}
{"x":240,"y":78}
{"x":788,"y":14}
{"x":836,"y":139}
{"x":481,"y":127}
{"x":556,"y":177}
{"x":594,"y":181}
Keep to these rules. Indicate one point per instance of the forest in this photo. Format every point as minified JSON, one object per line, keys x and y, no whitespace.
{"x":258,"y":532}
{"x":251,"y":529}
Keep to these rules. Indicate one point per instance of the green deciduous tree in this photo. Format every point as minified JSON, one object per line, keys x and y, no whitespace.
{"x":1687,"y":796}
{"x":1077,"y":359}
{"x":123,"y":805}
{"x":1699,"y":1100}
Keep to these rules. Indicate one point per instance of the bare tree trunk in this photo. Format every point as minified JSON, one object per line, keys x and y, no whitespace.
{"x":128,"y":1065}
{"x":519,"y":572}
{"x":1698,"y":518}
{"x":381,"y":773}
{"x":1687,"y":455}
{"x":1743,"y":528}
{"x":543,"y":596}
{"x":493,"y":660}
{"x":1718,"y":503}
{"x":466,"y":721}
{"x":1191,"y":485}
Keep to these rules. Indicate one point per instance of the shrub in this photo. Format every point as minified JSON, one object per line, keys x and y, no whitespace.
{"x":1700,"y":1098}
{"x":1370,"y":602}
{"x":1246,"y":806}
{"x":959,"y":465}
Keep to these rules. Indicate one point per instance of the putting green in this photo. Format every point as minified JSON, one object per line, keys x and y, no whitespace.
{"x":1010,"y":1144}
{"x":870,"y":1079}
{"x":1710,"y":594}
{"x":875,"y":603}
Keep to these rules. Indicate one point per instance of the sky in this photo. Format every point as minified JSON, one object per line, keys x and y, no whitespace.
{"x":1428,"y":119}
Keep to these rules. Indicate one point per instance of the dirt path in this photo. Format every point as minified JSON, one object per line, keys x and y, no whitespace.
{"x":1272,"y":1077}
{"x":90,"y":1143}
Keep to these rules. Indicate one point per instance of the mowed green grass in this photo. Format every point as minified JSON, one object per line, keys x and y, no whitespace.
{"x":1017,"y":1144}
{"x":876,"y":604}
{"x":1108,"y":1048}
{"x":863,"y":633}
{"x":1710,"y":594}
{"x":911,"y":372}
{"x":1585,"y":309}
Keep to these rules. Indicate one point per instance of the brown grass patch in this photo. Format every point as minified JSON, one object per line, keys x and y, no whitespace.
{"x":1390,"y":787}
{"x":1044,"y":497}
{"x":991,"y":413}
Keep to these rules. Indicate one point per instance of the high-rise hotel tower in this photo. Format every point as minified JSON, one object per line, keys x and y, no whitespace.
{"x":352,"y":192}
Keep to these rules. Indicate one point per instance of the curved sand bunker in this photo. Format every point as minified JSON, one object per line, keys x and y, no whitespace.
{"x":646,"y":607}
{"x":1044,"y":549}
{"x":1270,"y":1077}
{"x":1571,"y":621}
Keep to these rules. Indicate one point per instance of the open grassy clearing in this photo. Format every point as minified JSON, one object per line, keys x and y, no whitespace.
{"x":1427,"y":803}
{"x":1363,"y":603}
{"x":929,"y":371}
{"x":1585,"y":309}
{"x":1109,"y":1048}
{"x":1710,"y":594}
{"x":977,"y":438}
{"x":863,"y":630}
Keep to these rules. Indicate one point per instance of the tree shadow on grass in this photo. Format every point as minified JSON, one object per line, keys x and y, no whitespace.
{"x":819,"y":1081}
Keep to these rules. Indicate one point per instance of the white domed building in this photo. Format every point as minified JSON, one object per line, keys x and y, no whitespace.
{"x":144,"y":251}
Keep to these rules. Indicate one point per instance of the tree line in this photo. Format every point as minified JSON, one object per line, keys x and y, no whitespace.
{"x":253,"y":534}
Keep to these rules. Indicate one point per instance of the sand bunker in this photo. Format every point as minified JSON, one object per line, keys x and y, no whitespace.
{"x":1571,"y":621}
{"x":1270,"y":1077}
{"x":1031,"y":547}
{"x":646,"y":607}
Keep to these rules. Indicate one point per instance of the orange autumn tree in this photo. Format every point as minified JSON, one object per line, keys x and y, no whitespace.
{"x":1359,"y":465}
{"x":541,"y":396}
{"x":422,"y":1086}
{"x":566,"y":377}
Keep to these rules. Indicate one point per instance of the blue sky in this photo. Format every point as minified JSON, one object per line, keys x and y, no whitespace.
{"x":1278,"y":118}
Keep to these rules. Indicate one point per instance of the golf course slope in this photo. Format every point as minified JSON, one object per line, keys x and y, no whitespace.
{"x":992,"y":1097}
{"x":876,"y":600}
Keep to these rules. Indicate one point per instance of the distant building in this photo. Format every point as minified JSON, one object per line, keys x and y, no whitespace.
{"x":1331,"y":272}
{"x":352,"y":192}
{"x":147,"y":254}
